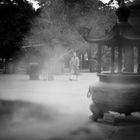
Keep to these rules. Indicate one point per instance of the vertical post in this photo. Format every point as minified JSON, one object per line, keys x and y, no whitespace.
{"x":83,"y":61}
{"x":128,"y":58}
{"x":112,"y":58}
{"x":119,"y":59}
{"x":89,"y":53}
{"x":138,"y":61}
{"x":99,"y":58}
{"x":90,"y":60}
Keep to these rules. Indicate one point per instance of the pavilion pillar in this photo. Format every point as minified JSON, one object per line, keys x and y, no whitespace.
{"x":99,"y":58}
{"x":119,"y":59}
{"x":89,"y":53}
{"x":83,"y":61}
{"x":128,"y":58}
{"x":138,"y":68}
{"x":112,"y":58}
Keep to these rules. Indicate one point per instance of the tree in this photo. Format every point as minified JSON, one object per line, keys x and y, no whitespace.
{"x":15,"y":21}
{"x":62,"y":23}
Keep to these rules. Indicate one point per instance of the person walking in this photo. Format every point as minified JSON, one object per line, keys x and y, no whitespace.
{"x":74,"y":67}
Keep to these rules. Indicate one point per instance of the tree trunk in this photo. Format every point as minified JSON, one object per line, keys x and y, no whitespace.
{"x":5,"y":66}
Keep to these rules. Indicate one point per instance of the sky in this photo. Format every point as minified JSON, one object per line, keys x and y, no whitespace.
{"x":36,"y":6}
{"x":35,"y":3}
{"x":105,"y":1}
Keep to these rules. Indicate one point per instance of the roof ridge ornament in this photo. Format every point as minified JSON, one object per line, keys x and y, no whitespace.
{"x":122,"y":3}
{"x":122,"y":12}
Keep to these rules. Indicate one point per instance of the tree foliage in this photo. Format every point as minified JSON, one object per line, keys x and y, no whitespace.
{"x":62,"y":21}
{"x":15,"y":21}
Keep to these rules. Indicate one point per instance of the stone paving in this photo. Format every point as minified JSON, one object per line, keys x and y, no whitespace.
{"x":55,"y":110}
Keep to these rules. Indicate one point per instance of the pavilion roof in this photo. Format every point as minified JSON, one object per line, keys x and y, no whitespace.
{"x":121,"y":32}
{"x":124,"y":31}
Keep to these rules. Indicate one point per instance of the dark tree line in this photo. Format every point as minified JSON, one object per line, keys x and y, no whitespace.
{"x":60,"y":20}
{"x":16,"y":17}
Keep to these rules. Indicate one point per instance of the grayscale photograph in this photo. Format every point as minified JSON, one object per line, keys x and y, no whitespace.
{"x":69,"y":69}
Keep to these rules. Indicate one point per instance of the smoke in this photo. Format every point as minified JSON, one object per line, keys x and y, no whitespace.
{"x":22,"y":117}
{"x":21,"y":120}
{"x":14,"y":109}
{"x":51,"y":37}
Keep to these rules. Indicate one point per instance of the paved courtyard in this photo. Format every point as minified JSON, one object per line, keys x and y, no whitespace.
{"x":54,"y":110}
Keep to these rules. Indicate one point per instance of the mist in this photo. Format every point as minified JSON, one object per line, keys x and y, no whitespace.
{"x":42,"y":109}
{"x":38,"y":101}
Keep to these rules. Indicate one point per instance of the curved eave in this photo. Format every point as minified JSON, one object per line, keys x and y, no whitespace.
{"x":107,"y":38}
{"x":119,"y":33}
{"x":131,"y":37}
{"x":128,"y":32}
